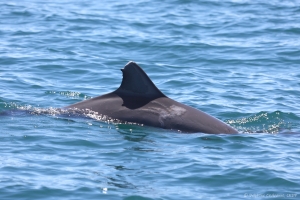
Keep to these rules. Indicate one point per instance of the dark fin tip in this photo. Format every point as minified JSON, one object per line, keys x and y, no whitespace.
{"x":137,"y":83}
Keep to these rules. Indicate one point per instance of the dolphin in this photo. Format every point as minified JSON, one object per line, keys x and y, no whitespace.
{"x":138,"y":100}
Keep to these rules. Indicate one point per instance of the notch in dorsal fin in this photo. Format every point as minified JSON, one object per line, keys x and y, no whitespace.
{"x":137,"y":83}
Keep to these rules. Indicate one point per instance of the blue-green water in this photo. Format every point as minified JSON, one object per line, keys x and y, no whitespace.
{"x":236,"y":60}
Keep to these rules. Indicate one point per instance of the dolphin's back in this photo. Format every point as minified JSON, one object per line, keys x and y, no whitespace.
{"x":138,"y":100}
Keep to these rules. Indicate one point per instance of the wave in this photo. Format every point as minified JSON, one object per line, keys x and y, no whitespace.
{"x":267,"y":122}
{"x":262,"y":122}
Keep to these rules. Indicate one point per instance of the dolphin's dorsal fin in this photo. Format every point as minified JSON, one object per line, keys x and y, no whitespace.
{"x":137,"y":83}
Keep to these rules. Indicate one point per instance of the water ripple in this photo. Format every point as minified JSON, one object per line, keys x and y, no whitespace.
{"x":237,"y":60}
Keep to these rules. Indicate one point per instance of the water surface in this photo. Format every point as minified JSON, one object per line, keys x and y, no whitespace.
{"x":236,"y":60}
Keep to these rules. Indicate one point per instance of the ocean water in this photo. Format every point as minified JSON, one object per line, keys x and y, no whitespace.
{"x":236,"y":60}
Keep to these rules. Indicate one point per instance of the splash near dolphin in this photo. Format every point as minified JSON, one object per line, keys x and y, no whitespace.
{"x":138,"y":100}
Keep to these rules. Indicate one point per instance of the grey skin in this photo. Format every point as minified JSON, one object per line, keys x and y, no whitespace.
{"x":139,"y":101}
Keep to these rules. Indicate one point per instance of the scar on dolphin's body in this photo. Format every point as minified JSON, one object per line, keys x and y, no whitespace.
{"x":138,"y":100}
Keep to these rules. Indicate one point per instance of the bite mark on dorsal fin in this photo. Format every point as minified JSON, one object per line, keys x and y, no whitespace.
{"x":137,"y":83}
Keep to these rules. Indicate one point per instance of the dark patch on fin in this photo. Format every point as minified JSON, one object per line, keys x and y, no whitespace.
{"x":137,"y":83}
